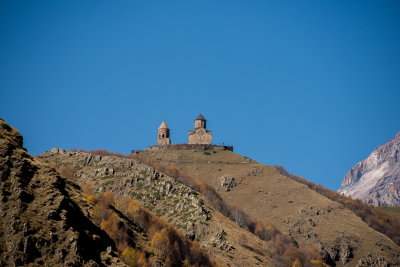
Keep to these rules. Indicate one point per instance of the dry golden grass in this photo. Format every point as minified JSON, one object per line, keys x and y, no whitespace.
{"x":266,"y":195}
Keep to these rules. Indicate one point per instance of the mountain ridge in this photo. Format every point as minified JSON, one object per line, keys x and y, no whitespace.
{"x":376,"y":179}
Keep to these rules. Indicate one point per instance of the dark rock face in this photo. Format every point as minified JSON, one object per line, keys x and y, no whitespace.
{"x":376,"y":180}
{"x":40,"y":224}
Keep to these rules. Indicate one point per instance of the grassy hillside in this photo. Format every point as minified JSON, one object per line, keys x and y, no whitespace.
{"x":234,"y":207}
{"x":270,"y":197}
{"x":176,"y":204}
{"x":371,"y":215}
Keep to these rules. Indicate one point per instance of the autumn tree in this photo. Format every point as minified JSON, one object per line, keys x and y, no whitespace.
{"x":160,"y":244}
{"x":297,"y":263}
{"x":111,"y":226}
{"x":101,"y":211}
{"x":88,"y":189}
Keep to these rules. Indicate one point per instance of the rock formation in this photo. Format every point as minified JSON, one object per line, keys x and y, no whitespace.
{"x":169,"y":199}
{"x":376,"y":180}
{"x":40,"y":222}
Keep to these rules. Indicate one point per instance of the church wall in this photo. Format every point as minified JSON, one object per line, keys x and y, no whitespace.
{"x":163,"y":141}
{"x":200,"y":136}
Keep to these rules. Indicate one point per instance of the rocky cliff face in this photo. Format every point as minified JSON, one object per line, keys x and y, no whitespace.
{"x":40,"y":222}
{"x":376,"y":180}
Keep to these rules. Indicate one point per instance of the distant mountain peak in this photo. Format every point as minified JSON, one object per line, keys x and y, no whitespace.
{"x":376,"y":179}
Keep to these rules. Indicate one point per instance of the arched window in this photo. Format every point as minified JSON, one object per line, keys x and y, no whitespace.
{"x":162,"y":135}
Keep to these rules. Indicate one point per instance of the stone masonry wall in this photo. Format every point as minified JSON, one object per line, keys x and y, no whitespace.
{"x":189,"y":147}
{"x":200,"y":136}
{"x":163,"y":137}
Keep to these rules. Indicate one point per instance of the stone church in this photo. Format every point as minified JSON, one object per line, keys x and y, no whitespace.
{"x":199,"y":139}
{"x":200,"y":135}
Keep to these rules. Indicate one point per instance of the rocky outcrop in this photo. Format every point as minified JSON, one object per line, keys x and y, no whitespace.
{"x":40,"y":223}
{"x":127,"y":177}
{"x":179,"y":205}
{"x":228,"y":183}
{"x":376,"y":180}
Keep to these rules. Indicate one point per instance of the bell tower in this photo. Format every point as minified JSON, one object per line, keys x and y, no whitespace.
{"x":200,"y":122}
{"x":163,"y":135}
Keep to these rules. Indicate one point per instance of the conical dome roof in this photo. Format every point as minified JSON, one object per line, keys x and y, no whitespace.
{"x":200,"y":117}
{"x":163,"y":125}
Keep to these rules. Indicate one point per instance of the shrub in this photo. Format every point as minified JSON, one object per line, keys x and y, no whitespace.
{"x":170,"y":246}
{"x":108,"y":198}
{"x":139,"y":185}
{"x":167,"y":243}
{"x":101,"y":211}
{"x":108,"y":183}
{"x":160,"y":244}
{"x":91,"y":199}
{"x":134,"y":258}
{"x":297,"y":263}
{"x":115,"y":229}
{"x":101,"y":152}
{"x":88,"y":189}
{"x":139,"y":215}
{"x":242,"y":219}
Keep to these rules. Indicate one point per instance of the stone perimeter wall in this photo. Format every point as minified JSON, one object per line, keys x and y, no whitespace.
{"x":189,"y":147}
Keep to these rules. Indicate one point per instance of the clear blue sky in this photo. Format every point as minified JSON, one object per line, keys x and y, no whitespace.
{"x":310,"y":85}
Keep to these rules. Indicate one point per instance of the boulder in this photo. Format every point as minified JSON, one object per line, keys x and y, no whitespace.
{"x":228,"y":183}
